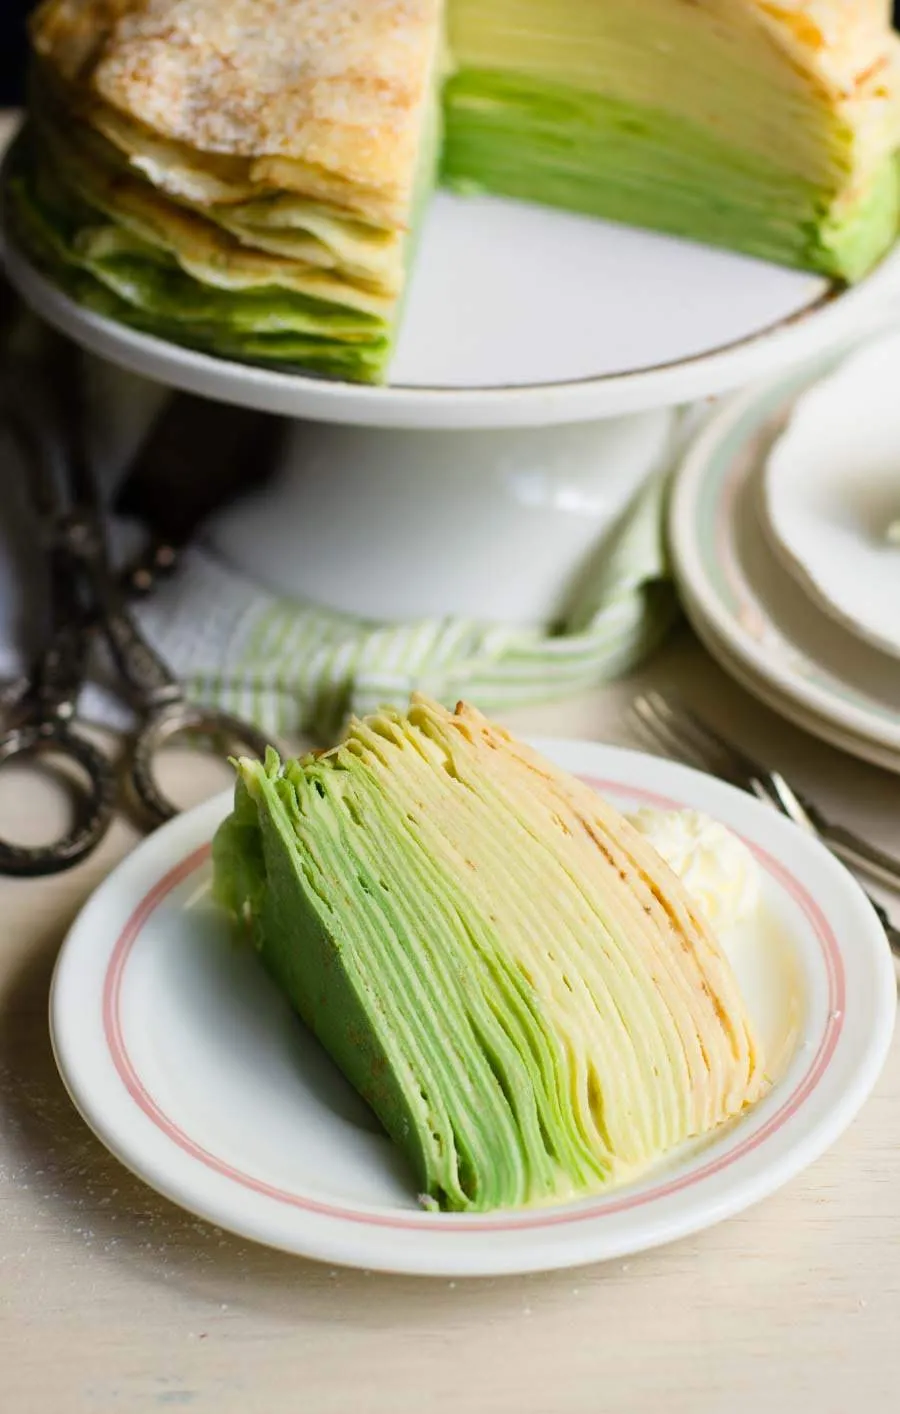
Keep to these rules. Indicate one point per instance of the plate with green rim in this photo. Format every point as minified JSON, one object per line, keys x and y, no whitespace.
{"x":821,"y":727}
{"x":736,"y":590}
{"x":192,"y":1069}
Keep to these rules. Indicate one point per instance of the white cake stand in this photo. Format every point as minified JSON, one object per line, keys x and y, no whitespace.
{"x":541,"y":358}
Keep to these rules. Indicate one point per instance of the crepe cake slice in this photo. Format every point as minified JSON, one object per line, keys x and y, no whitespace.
{"x":767,"y":128}
{"x":244,"y":174}
{"x":500,"y":964}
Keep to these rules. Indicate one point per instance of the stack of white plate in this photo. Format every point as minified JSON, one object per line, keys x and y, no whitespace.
{"x":779,"y":530}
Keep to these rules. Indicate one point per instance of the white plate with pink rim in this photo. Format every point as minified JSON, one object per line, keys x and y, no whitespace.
{"x":832,"y":488}
{"x":192,"y":1069}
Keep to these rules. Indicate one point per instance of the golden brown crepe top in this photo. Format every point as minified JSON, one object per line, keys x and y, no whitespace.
{"x":846,"y":44}
{"x":326,"y":96}
{"x":339,"y":85}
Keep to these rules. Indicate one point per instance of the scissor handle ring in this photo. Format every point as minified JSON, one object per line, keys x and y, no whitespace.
{"x":93,"y":812}
{"x":172,"y":721}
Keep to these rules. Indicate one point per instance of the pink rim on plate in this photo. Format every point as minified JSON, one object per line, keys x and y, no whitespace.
{"x":604,"y":1208}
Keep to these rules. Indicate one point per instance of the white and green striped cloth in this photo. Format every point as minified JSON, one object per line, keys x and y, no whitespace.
{"x":294,"y":668}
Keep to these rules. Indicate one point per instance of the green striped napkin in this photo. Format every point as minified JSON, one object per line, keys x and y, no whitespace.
{"x":296,"y":668}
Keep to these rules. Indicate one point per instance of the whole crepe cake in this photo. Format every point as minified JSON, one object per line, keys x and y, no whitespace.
{"x":247,"y":176}
{"x":504,"y":968}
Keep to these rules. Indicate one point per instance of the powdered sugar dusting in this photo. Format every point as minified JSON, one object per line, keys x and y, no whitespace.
{"x":333,"y":83}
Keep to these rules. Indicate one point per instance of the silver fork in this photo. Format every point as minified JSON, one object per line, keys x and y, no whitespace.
{"x":695,"y":739}
{"x":678,"y":731}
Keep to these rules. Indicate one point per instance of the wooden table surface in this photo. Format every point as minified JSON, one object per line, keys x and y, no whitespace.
{"x":111,"y":1299}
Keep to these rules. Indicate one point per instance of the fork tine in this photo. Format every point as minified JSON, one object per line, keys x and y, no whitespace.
{"x":661,"y":721}
{"x":742,"y":764}
{"x":658,"y":729}
{"x":714,"y":751}
{"x":681,"y":733}
{"x":650,"y":728}
{"x":676,"y":730}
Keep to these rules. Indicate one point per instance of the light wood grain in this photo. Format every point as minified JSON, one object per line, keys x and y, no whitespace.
{"x":113,"y":1300}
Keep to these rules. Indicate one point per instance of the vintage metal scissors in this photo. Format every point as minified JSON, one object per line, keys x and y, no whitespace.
{"x":45,"y":410}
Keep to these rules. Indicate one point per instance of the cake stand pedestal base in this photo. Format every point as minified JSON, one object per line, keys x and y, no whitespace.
{"x":392,"y":525}
{"x":539,"y":358}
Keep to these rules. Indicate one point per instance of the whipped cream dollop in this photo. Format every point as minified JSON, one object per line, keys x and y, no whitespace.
{"x":715,"y":867}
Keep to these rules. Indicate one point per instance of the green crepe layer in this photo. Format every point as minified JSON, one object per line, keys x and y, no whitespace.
{"x":507,"y":974}
{"x":729,"y":122}
{"x":642,"y":166}
{"x":114,"y":272}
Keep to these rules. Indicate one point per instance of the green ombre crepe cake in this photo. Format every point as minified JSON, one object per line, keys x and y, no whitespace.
{"x":247,"y":176}
{"x":503,"y":967}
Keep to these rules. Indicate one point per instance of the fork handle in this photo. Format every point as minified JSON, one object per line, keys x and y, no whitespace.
{"x":891,"y":932}
{"x":842,"y":843}
{"x":857,"y":852}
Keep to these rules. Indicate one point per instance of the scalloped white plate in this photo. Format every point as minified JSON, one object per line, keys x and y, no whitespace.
{"x":193,"y":1070}
{"x":832,"y":487}
{"x":735,"y":589}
